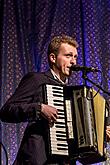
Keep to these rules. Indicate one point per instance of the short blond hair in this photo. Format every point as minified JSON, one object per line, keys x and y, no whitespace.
{"x":56,"y":42}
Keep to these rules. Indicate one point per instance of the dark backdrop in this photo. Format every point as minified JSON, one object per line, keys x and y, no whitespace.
{"x":26,"y":27}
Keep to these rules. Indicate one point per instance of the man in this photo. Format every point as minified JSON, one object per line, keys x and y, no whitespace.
{"x":26,"y":104}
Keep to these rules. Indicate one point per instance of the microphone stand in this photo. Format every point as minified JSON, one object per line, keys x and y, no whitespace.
{"x":84,"y":76}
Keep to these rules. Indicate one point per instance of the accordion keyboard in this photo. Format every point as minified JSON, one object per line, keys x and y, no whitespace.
{"x":58,"y":138}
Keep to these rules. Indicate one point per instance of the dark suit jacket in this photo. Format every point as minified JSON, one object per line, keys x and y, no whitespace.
{"x":24,"y":105}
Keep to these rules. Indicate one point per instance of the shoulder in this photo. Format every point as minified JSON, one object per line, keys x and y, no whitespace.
{"x":36,"y":78}
{"x":32,"y":75}
{"x":31,"y":78}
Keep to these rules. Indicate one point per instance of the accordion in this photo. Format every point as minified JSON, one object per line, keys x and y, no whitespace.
{"x":79,"y":132}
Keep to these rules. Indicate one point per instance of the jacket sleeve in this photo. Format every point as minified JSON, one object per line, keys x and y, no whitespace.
{"x":23,"y":105}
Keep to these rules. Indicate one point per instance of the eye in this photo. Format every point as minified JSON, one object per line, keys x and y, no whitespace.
{"x":68,"y":55}
{"x":76,"y":56}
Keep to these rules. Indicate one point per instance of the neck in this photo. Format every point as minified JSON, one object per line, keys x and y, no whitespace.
{"x":59,"y":75}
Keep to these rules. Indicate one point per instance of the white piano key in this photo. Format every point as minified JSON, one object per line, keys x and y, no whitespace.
{"x":58,"y":129}
{"x":51,"y":97}
{"x":52,"y":137}
{"x":59,"y":107}
{"x":60,"y":120}
{"x":60,"y":142}
{"x":54,"y":100}
{"x":60,"y":148}
{"x":55,"y":145}
{"x":59,"y":136}
{"x":57,"y":152}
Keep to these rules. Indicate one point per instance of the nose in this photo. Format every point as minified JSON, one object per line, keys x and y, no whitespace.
{"x":73,"y":61}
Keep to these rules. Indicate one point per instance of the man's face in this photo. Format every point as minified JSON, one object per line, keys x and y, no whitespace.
{"x":66,"y":57}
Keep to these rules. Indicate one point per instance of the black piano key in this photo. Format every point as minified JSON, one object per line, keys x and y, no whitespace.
{"x":65,"y":145}
{"x":60,"y":126}
{"x":60,"y":135}
{"x":61,"y":139}
{"x":62,"y":148}
{"x":57,"y":95}
{"x":60,"y":110}
{"x":60,"y":101}
{"x":57,"y":91}
{"x":60,"y":123}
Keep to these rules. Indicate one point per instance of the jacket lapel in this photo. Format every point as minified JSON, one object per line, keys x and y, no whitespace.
{"x":50,"y":76}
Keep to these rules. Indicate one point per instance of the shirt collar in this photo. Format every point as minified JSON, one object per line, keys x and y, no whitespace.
{"x":56,"y":77}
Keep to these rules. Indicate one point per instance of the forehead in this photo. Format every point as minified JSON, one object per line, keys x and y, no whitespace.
{"x":67,"y":48}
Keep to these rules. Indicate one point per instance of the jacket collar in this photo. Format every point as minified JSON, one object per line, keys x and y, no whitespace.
{"x":51,"y":76}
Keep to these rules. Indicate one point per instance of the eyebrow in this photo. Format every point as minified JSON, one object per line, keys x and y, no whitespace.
{"x":70,"y":53}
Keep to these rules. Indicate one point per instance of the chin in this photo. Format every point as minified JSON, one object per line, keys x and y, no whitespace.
{"x":67,"y":74}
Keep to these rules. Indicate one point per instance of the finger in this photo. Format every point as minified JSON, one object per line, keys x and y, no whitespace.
{"x":56,"y":114}
{"x":54,"y":118}
{"x":107,"y":130}
{"x":51,"y":123}
{"x":108,"y":133}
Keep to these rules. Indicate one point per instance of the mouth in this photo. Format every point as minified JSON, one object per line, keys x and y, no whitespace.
{"x":69,"y":67}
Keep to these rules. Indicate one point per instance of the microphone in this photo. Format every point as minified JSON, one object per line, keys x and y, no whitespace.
{"x":83,"y":68}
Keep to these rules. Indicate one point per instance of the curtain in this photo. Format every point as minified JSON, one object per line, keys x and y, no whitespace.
{"x":26,"y":27}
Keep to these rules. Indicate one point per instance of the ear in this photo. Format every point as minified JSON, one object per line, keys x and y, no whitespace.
{"x":52,"y":57}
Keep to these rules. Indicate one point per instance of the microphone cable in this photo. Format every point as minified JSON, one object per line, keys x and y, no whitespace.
{"x":4,"y":149}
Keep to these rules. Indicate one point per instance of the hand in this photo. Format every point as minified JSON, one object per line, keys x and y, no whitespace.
{"x":50,"y":113}
{"x":108,"y":132}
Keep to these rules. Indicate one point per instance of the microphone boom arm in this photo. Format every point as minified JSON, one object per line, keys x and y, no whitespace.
{"x":84,"y":76}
